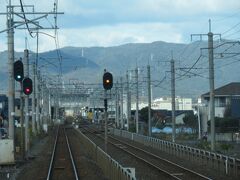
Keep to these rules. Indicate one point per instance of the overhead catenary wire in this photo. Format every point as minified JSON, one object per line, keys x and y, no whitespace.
{"x":25,"y":19}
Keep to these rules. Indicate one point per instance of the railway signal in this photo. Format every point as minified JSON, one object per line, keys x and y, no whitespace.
{"x":27,"y":86}
{"x":18,"y":71}
{"x":107,"y":81}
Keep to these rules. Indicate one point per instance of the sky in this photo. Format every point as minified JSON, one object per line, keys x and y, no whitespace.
{"x":88,"y":23}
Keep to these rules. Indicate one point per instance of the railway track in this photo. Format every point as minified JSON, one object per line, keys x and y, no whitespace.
{"x":62,"y":165}
{"x":164,"y":166}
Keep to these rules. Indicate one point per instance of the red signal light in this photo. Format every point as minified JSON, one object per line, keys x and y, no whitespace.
{"x":27,"y":86}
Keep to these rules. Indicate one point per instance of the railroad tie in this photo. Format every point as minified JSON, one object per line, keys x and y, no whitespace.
{"x":60,"y":167}
{"x":177,"y":174}
{"x":121,"y":146}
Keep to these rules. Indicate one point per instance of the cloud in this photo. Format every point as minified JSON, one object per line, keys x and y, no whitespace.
{"x":103,"y":36}
{"x":115,"y":22}
{"x":111,"y":12}
{"x":119,"y":34}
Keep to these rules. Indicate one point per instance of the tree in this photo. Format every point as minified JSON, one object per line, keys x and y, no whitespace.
{"x":144,"y":114}
{"x":190,"y":120}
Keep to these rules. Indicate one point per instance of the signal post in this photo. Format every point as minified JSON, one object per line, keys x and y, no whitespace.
{"x":26,"y":88}
{"x":107,"y":85}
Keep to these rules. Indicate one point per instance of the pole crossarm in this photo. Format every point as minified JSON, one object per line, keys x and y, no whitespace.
{"x":15,"y":26}
{"x":20,"y":14}
{"x":34,"y":13}
{"x":30,"y":21}
{"x":201,"y":35}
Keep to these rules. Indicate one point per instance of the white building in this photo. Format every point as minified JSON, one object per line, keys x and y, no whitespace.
{"x":166,"y":103}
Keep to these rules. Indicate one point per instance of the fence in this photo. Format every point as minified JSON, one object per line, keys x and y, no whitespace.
{"x":111,"y":168}
{"x":225,"y":164}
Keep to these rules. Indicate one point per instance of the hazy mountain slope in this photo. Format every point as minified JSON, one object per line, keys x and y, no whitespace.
{"x":87,"y":64}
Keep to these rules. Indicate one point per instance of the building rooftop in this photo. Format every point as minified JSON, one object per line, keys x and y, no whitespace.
{"x":231,"y":89}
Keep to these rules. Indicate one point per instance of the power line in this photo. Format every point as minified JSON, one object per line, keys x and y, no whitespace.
{"x":231,"y":28}
{"x":26,"y":21}
{"x":227,"y":17}
{"x":190,"y":68}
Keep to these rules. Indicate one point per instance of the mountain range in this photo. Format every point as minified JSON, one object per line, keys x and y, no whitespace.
{"x":86,"y":64}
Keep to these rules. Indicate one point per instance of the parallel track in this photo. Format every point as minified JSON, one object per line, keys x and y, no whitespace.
{"x":165,"y":166}
{"x":62,"y":165}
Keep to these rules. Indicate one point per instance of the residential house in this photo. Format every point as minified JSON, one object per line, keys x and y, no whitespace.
{"x":226,"y":98}
{"x":227,"y":103}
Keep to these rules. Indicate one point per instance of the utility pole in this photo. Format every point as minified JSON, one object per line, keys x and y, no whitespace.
{"x":121,"y":107}
{"x":106,"y":121}
{"x":42,"y":108}
{"x":21,"y":121}
{"x":11,"y":83}
{"x":137,"y":98}
{"x":211,"y":82}
{"x":173,"y":99}
{"x":48,"y":106}
{"x":26,"y":114}
{"x":117,"y":106}
{"x":149,"y":101}
{"x":11,"y":25}
{"x":128,"y":103}
{"x":34,"y":100}
{"x":211,"y":85}
{"x":43,"y":104}
{"x":38,"y":103}
{"x":199,"y":122}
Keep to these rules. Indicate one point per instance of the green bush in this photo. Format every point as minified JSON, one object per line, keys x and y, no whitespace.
{"x":226,"y":147}
{"x":204,"y":145}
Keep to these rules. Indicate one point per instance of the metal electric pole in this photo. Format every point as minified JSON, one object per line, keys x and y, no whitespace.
{"x":128,"y":102}
{"x":211,"y":82}
{"x":11,"y":25}
{"x":21,"y":122}
{"x":121,"y":100}
{"x":38,"y":103}
{"x":173,"y":99}
{"x":149,"y":101}
{"x":137,"y":99}
{"x":211,"y":85}
{"x":26,"y":109}
{"x":11,"y":83}
{"x":117,"y":106}
{"x":34,"y":100}
{"x":106,"y":121}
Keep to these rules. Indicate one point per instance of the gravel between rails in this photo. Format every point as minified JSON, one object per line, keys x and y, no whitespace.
{"x":37,"y":168}
{"x":204,"y":169}
{"x":143,"y":170}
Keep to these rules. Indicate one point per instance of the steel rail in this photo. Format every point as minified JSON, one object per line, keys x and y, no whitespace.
{"x":162,"y":159}
{"x":52,"y":158}
{"x":51,"y":165}
{"x":137,"y":157}
{"x":157,"y":157}
{"x":71,"y":156}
